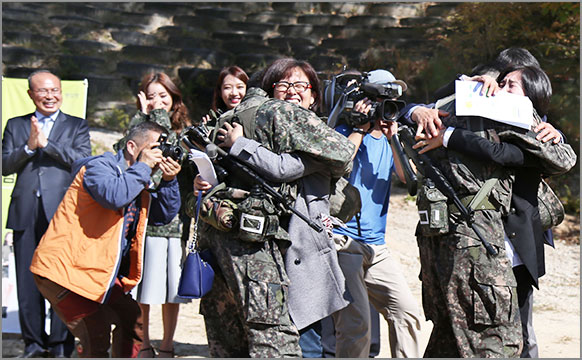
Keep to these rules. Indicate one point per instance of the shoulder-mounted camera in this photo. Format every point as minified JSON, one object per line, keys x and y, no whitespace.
{"x":343,"y":91}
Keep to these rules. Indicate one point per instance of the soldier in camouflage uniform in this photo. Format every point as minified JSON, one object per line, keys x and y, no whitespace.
{"x":254,"y":298}
{"x":474,"y":313}
{"x":160,"y":101}
{"x":469,"y":294}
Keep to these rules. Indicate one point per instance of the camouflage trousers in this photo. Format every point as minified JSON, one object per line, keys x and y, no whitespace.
{"x":470,"y":297}
{"x":246,"y":312}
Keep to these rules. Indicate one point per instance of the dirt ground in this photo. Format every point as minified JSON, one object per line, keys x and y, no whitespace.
{"x":556,"y":304}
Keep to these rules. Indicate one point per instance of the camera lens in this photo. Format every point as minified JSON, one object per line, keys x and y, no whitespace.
{"x":177,"y":153}
{"x":390,"y":110}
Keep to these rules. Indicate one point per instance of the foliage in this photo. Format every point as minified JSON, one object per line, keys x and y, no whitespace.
{"x":476,"y":32}
{"x":98,"y":148}
{"x":116,"y":120}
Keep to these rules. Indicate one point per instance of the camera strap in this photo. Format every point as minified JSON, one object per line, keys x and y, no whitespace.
{"x":192,"y":240}
{"x":336,"y":111}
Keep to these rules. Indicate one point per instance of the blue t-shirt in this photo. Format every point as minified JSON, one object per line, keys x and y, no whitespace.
{"x":371,"y":175}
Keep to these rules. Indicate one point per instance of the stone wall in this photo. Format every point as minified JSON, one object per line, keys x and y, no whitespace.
{"x":114,"y":44}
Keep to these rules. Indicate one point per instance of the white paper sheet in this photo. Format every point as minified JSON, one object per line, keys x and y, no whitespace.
{"x":504,"y":107}
{"x":205,"y":167}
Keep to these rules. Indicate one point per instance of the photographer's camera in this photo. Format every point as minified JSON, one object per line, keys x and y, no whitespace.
{"x":168,"y":150}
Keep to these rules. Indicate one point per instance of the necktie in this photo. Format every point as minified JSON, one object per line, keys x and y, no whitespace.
{"x":45,"y":122}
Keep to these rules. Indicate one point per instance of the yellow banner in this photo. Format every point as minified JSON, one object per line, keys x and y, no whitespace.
{"x":16,"y":102}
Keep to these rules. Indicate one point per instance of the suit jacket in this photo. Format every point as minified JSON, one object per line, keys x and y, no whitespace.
{"x":49,"y":169}
{"x":522,"y":224}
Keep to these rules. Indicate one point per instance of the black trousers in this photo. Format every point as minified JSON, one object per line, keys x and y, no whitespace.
{"x":31,"y":303}
{"x":525,"y":300}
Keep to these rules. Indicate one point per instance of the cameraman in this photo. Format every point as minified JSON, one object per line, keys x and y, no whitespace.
{"x":372,"y":275}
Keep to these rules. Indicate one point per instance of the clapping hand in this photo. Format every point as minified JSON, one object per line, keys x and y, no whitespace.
{"x":36,"y":139}
{"x":148,"y":105}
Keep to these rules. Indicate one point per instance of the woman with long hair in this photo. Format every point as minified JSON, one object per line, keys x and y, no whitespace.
{"x":160,"y":100}
{"x":230,"y":89}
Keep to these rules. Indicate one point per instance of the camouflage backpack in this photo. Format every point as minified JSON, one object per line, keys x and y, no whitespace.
{"x":344,"y":201}
{"x":550,"y":207}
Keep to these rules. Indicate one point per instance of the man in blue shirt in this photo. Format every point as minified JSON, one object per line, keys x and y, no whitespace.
{"x":372,"y":275}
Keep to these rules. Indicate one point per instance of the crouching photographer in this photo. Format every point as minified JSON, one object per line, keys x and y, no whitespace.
{"x":159,"y":101}
{"x":364,"y":108}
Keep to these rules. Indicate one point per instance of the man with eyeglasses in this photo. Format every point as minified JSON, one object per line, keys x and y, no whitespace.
{"x":40,"y":148}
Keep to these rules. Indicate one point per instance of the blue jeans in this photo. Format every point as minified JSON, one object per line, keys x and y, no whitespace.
{"x":310,"y":341}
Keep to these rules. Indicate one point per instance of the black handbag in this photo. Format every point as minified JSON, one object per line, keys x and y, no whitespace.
{"x":197,"y":274}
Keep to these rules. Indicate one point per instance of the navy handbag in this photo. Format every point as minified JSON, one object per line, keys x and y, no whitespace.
{"x":197,"y":274}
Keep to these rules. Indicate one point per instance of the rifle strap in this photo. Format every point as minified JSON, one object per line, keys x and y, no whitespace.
{"x":479,"y":201}
{"x":212,"y":191}
{"x":481,"y":198}
{"x":247,"y":116}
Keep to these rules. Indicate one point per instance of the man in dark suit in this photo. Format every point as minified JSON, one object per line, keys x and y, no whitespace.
{"x":40,"y":147}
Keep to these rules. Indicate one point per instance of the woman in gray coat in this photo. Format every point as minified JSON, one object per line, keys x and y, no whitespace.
{"x":317,"y":285}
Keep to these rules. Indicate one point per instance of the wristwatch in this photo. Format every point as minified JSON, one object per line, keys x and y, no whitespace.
{"x":359,"y":131}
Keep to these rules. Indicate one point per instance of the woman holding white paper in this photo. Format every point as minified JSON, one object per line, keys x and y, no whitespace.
{"x":525,"y":236}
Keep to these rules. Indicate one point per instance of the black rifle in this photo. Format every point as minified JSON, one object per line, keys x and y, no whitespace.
{"x":409,"y":174}
{"x":196,"y":137}
{"x":430,"y":171}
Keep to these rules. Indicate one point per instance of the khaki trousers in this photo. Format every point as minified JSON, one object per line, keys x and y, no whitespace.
{"x":372,"y":276}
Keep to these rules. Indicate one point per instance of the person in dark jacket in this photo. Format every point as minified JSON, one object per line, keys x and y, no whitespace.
{"x":524,"y":234}
{"x":40,"y":148}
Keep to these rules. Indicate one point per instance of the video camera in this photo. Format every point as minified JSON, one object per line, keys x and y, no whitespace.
{"x":343,"y":91}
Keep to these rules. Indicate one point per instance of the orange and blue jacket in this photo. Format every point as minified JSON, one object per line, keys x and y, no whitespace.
{"x":83,"y":245}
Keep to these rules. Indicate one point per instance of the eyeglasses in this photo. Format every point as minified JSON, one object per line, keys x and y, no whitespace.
{"x":44,"y":92}
{"x":299,"y":86}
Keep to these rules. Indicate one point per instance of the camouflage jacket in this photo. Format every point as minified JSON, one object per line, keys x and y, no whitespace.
{"x":467,"y":174}
{"x":552,"y":159}
{"x":283,"y":127}
{"x":159,"y":116}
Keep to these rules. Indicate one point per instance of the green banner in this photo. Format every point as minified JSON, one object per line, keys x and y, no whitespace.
{"x":16,"y":102}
